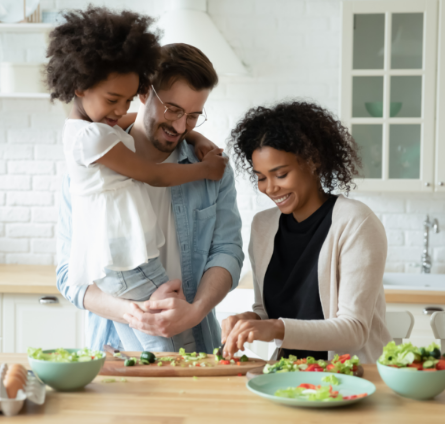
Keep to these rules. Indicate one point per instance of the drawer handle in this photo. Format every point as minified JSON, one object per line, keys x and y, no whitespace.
{"x":48,"y":299}
{"x":429,"y":310}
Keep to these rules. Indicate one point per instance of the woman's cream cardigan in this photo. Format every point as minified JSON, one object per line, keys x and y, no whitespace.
{"x":350,"y":271}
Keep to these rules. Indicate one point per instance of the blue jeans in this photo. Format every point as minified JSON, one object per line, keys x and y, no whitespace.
{"x":138,"y":285}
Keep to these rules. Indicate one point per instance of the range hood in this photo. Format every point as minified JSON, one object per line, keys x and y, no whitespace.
{"x":187,"y":21}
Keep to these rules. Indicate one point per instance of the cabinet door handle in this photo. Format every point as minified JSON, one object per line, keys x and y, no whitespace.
{"x":48,"y":299}
{"x":429,"y":310}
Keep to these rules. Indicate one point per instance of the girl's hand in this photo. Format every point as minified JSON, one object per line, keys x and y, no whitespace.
{"x":247,"y":331}
{"x":215,"y":164}
{"x":202,"y":145}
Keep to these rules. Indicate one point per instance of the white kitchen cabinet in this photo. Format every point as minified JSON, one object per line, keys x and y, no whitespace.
{"x":46,"y":321}
{"x":422,"y":334}
{"x":390,"y":71}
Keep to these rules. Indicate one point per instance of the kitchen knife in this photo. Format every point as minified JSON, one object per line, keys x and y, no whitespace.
{"x":115,"y":352}
{"x":221,"y":350}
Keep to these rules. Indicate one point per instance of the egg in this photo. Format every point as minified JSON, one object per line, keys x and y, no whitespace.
{"x":16,"y":373}
{"x":20,"y":369}
{"x":15,"y":379}
{"x":13,"y":384}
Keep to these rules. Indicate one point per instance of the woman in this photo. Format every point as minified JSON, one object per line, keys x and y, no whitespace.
{"x":317,"y":259}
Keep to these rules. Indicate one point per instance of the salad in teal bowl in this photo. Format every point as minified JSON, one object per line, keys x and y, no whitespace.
{"x":413,"y":372}
{"x":66,"y":369}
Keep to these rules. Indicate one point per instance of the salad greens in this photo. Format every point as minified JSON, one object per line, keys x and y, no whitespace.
{"x":62,"y":355}
{"x":408,"y":356}
{"x":311,"y":392}
{"x":332,"y":379}
{"x":343,"y":364}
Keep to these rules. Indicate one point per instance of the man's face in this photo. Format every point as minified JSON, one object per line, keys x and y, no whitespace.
{"x":162,"y":133}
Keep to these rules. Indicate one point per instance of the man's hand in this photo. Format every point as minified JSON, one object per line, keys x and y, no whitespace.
{"x":165,"y":318}
{"x":247,"y":331}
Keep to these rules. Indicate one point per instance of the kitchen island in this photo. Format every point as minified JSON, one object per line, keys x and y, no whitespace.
{"x":211,"y":400}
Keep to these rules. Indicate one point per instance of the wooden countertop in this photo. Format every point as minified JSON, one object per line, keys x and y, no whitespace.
{"x":27,"y":279}
{"x":218,"y":400}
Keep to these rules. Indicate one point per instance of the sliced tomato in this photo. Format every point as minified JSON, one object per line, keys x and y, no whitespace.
{"x":330,"y":367}
{"x":441,"y":365}
{"x":350,"y":397}
{"x":314,"y":367}
{"x":419,"y":366}
{"x":307,"y":386}
{"x":361,"y":395}
{"x":344,"y":358}
{"x":224,"y":362}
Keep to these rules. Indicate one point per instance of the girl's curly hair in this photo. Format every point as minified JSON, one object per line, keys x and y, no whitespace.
{"x":307,"y":130}
{"x":95,"y":42}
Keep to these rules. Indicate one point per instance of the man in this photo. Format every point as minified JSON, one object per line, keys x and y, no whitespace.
{"x":200,"y":220}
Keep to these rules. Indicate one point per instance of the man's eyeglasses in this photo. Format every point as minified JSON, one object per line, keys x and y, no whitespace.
{"x":173,"y":113}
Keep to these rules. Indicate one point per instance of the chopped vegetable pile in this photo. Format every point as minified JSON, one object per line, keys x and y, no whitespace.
{"x":343,"y":364}
{"x":413,"y":358}
{"x":184,"y":359}
{"x":315,"y":393}
{"x":62,"y":355}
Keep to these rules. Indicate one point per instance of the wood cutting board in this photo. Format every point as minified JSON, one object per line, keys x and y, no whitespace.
{"x":255,"y":372}
{"x":115,"y":367}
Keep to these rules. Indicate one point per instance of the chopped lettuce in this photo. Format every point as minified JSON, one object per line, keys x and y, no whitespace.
{"x":323,"y":394}
{"x":62,"y":355}
{"x":331,"y":379}
{"x":405,"y":354}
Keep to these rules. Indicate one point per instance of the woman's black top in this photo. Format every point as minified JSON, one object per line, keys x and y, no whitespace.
{"x":291,"y":280}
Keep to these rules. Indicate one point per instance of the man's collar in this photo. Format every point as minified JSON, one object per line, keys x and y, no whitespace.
{"x":186,"y":152}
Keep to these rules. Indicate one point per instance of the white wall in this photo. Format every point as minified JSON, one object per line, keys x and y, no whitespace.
{"x":292,"y":49}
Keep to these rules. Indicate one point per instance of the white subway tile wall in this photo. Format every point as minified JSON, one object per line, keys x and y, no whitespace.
{"x":291,"y":48}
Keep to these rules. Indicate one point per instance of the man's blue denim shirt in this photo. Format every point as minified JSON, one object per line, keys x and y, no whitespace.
{"x":208,"y":226}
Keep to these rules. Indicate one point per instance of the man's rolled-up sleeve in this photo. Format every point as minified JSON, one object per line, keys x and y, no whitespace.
{"x":226,"y":250}
{"x":74,"y":294}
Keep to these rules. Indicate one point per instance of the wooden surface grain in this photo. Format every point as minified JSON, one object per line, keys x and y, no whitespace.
{"x":28,"y":279}
{"x":212,"y":400}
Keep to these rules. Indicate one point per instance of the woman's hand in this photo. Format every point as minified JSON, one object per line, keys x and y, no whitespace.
{"x":230,"y":322}
{"x":246,"y":331}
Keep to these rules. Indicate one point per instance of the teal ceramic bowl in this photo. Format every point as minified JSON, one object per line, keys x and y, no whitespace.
{"x":66,"y":376}
{"x":266,"y":385}
{"x":413,"y":384}
{"x":375,"y":109}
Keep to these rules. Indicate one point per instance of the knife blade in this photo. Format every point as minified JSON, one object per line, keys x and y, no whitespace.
{"x":221,"y":350}
{"x":115,"y":352}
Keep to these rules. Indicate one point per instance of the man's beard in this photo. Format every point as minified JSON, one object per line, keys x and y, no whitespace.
{"x":165,"y":146}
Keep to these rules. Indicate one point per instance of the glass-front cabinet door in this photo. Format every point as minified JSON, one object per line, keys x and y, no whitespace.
{"x":388,"y":91}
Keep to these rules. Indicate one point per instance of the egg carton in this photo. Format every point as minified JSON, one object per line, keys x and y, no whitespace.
{"x":35,"y":391}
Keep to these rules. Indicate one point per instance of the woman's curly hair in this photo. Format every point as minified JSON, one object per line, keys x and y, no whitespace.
{"x":95,"y":42}
{"x":303,"y":128}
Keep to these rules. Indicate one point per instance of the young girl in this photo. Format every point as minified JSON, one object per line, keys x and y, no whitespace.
{"x":102,"y":60}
